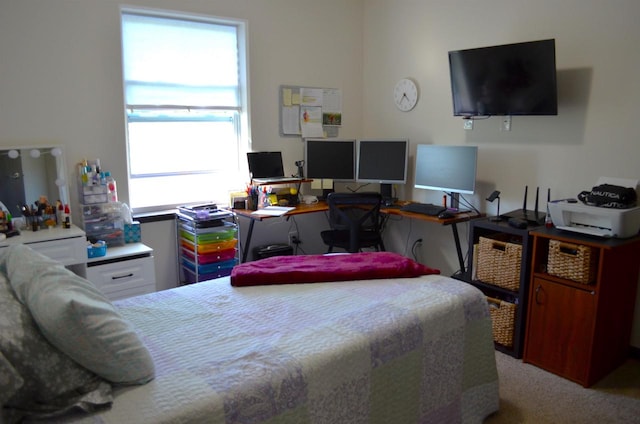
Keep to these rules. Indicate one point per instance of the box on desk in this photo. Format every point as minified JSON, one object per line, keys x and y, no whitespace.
{"x":132,"y":232}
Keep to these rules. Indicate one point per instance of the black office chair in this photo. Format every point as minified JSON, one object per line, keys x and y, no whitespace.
{"x":355,"y":222}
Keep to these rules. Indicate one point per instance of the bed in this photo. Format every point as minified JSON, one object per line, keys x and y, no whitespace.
{"x":389,"y":350}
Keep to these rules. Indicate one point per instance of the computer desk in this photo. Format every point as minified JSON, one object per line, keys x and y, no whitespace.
{"x":322,"y":206}
{"x":301,"y":208}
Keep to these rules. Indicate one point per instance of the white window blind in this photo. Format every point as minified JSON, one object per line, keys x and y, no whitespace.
{"x":185,"y":94}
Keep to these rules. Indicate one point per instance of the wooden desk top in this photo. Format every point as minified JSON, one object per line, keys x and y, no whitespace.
{"x":459,"y":217}
{"x":301,"y":208}
{"x":322,"y":206}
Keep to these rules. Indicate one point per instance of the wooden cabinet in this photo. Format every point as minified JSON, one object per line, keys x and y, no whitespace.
{"x":577,"y":330}
{"x":502,"y":230}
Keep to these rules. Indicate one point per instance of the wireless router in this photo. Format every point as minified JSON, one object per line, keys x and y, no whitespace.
{"x":533,"y":217}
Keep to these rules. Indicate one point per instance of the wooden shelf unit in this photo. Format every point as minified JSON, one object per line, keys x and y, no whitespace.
{"x":486,"y":228}
{"x":582,"y":331}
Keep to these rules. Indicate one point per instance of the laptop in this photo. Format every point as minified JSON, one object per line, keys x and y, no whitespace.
{"x":266,"y":167}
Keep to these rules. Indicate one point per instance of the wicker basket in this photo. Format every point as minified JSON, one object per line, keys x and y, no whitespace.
{"x":503,"y":318}
{"x":572,"y":261}
{"x":499,"y":263}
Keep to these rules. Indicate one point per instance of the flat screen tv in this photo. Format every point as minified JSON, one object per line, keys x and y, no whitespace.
{"x":330,"y":159}
{"x":510,"y":79}
{"x":383,"y":161}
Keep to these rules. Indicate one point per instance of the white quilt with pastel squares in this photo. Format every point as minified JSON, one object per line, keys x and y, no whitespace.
{"x":414,"y":350}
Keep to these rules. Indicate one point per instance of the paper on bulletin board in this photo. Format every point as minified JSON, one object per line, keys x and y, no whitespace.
{"x":331,"y":107}
{"x":311,"y":97}
{"x":311,"y":121}
{"x":291,"y":119}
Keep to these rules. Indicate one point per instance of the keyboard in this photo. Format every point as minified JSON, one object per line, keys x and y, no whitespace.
{"x":423,"y":208}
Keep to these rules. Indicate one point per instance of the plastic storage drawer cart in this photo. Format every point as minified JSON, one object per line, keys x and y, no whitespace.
{"x":207,"y":244}
{"x":103,"y":221}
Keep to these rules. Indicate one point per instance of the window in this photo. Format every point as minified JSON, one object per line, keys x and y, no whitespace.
{"x":186,"y":107}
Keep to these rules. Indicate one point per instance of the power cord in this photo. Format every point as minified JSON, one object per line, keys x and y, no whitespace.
{"x":466,"y":203}
{"x":413,"y":249}
{"x":295,"y":240}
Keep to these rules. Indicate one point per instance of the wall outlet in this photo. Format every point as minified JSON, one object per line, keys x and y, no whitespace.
{"x":468,"y":124}
{"x":293,"y":238}
{"x":506,"y":123}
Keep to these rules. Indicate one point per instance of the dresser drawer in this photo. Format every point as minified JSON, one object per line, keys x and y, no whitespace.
{"x":125,"y":278}
{"x":70,"y":251}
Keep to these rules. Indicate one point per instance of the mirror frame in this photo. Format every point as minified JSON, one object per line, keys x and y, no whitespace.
{"x":29,"y":155}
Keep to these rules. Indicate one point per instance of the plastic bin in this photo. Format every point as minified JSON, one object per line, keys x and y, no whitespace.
{"x":207,"y":258}
{"x":209,"y":247}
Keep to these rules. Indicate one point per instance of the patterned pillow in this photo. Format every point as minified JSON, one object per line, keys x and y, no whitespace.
{"x":36,"y":379}
{"x":75,"y":317}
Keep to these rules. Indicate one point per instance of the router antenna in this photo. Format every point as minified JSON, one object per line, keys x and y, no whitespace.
{"x":537,"y":192}
{"x":524,"y":204}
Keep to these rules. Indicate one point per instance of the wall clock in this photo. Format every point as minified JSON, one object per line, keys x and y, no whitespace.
{"x":405,"y":94}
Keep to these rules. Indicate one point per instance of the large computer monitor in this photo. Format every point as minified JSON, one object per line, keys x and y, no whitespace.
{"x":447,"y":168}
{"x":383,"y":161}
{"x":330,"y":159}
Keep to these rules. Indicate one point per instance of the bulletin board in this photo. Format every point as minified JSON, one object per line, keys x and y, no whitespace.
{"x":310,"y":111}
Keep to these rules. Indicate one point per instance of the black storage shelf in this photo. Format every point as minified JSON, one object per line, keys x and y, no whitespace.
{"x":484,"y":227}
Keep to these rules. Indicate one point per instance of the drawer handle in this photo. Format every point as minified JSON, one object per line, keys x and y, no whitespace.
{"x":122,"y":276}
{"x":537,"y":292}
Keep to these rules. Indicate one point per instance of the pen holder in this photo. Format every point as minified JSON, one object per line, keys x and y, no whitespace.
{"x":252,"y":202}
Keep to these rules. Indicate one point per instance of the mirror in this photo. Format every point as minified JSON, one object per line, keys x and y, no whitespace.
{"x":26,"y":173}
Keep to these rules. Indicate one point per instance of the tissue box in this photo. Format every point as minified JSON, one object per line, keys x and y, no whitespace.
{"x":132,"y":233}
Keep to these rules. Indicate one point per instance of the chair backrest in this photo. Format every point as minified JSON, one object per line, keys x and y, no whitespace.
{"x":356,"y":212}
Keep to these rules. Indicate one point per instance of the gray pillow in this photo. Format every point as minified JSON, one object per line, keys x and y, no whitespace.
{"x":36,"y":379}
{"x":77,"y":318}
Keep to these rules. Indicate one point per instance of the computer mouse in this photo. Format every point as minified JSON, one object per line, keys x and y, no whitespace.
{"x":446,"y":214}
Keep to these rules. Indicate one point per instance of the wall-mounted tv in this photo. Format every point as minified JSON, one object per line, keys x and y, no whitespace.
{"x":510,"y":79}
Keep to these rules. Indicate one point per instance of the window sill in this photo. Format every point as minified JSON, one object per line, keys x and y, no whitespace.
{"x":156,"y":216}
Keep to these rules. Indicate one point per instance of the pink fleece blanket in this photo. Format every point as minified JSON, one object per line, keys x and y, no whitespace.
{"x":324,"y":268}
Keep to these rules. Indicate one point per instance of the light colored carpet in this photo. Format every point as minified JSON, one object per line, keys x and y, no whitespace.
{"x":529,"y":394}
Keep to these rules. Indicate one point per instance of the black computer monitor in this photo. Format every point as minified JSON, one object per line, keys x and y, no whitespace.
{"x":383,"y":161}
{"x":447,"y":168}
{"x":333,"y":159}
{"x":330,"y":159}
{"x":265,"y":164}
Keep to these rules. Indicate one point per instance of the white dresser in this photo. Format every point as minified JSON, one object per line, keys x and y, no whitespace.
{"x":66,"y":245}
{"x":124,"y":271}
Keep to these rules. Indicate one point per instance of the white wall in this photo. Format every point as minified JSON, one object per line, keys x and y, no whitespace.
{"x":598,"y":89}
{"x":60,"y":83}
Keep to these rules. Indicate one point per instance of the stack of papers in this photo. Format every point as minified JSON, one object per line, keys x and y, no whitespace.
{"x":273,"y":210}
